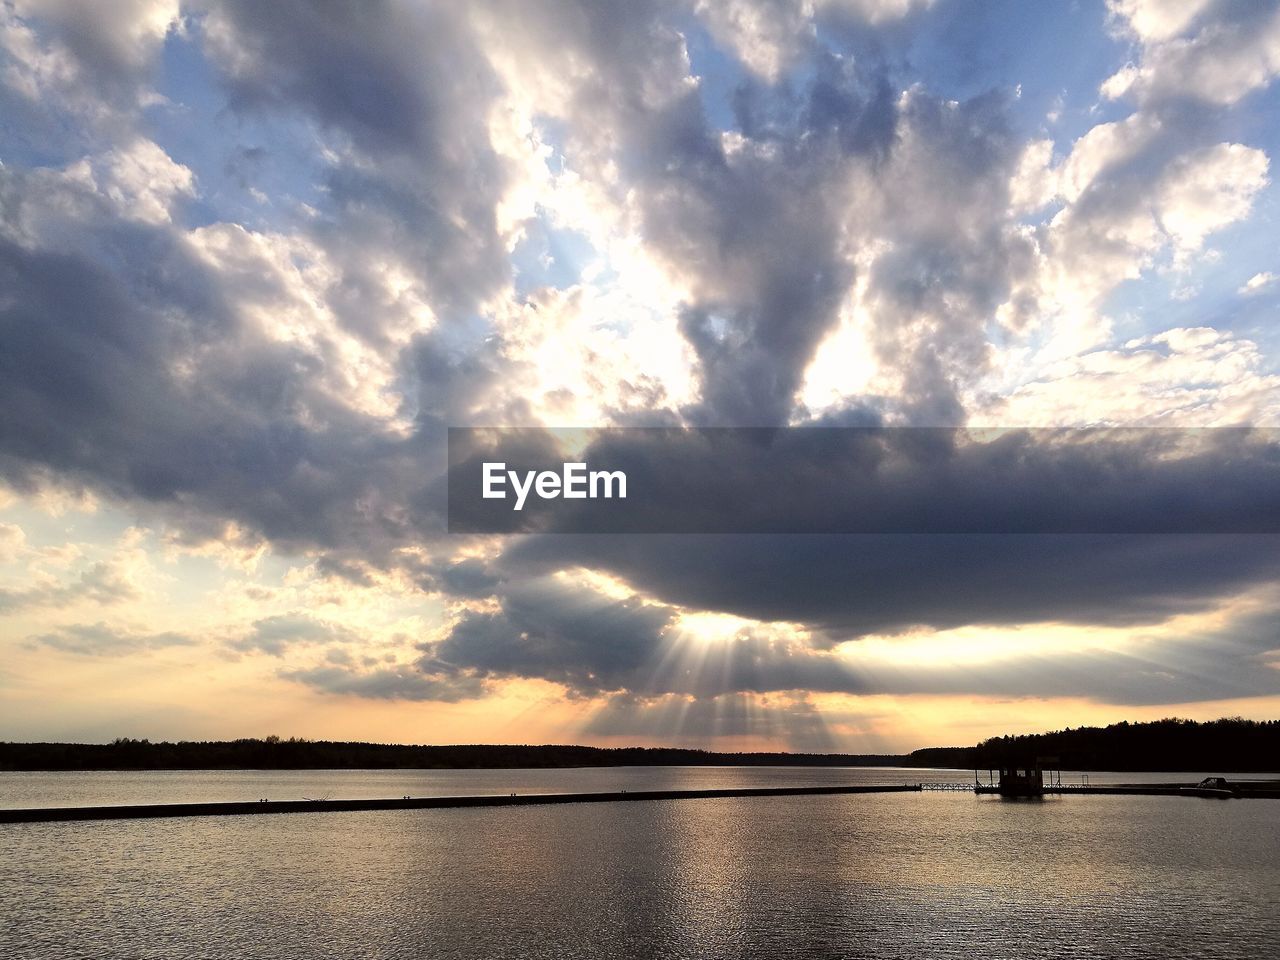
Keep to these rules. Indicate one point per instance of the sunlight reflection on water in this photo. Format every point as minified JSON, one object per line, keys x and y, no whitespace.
{"x":79,"y":788}
{"x":892,"y":875}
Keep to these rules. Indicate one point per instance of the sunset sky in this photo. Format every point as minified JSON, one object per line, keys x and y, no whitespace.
{"x":256,"y":258}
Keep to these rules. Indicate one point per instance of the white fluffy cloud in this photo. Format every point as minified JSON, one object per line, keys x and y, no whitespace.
{"x":1130,"y":204}
{"x":1257,"y":283}
{"x":1215,"y":58}
{"x":769,"y":36}
{"x":94,"y":59}
{"x":1185,"y":377}
{"x":1158,"y":19}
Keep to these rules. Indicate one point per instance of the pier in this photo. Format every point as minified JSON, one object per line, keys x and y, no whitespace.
{"x":1260,"y":789}
{"x":257,"y":807}
{"x":1257,"y":789}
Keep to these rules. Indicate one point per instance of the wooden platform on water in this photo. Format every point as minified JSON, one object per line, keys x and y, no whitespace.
{"x":1258,"y":790}
{"x":251,"y":807}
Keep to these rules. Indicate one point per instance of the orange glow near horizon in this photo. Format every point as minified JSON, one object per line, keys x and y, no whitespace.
{"x":178,"y":646}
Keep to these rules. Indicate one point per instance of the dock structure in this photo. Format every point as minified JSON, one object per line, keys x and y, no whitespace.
{"x":1262,"y":789}
{"x":1022,"y":779}
{"x":1259,"y":789}
{"x":143,"y":811}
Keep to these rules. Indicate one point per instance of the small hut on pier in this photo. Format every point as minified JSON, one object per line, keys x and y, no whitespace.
{"x":1025,"y":779}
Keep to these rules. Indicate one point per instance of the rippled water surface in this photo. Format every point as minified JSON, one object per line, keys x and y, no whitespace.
{"x":59,"y":789}
{"x":888,"y":875}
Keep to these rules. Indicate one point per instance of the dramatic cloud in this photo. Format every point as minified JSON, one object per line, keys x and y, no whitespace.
{"x":554,"y":631}
{"x":551,"y":628}
{"x":96,"y":60}
{"x":850,"y":585}
{"x":1214,"y":51}
{"x":401,"y":94}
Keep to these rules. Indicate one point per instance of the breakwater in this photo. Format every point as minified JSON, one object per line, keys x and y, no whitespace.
{"x":141,"y":811}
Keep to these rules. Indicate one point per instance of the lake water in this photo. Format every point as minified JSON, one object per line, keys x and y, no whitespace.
{"x":873,"y":875}
{"x":59,"y":789}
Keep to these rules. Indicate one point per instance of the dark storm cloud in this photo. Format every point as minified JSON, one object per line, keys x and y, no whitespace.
{"x":92,"y":386}
{"x":128,"y":367}
{"x":466,"y":578}
{"x":849,"y":585}
{"x":843,"y":587}
{"x":594,"y":644}
{"x":558,"y":632}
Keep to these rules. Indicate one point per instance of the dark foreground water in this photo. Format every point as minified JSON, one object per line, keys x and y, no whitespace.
{"x":891,"y":875}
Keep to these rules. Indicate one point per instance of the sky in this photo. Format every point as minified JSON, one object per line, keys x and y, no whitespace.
{"x":255,"y":259}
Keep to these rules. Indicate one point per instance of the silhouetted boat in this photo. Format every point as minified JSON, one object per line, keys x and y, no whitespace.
{"x":1211,"y":787}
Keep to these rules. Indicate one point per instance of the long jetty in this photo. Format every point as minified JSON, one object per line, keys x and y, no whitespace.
{"x":145,"y":811}
{"x":142,"y":811}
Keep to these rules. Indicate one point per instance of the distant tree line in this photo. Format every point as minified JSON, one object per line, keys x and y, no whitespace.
{"x":1231,"y":744}
{"x":274,"y":753}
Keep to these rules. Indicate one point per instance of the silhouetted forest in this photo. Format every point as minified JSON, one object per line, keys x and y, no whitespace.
{"x":1230,"y":744}
{"x":274,"y":753}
